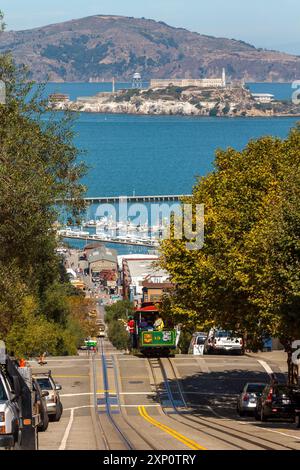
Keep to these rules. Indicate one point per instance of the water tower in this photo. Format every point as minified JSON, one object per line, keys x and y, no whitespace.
{"x":137,"y":81}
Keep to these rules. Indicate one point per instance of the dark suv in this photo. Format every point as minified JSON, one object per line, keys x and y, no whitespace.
{"x":278,"y":402}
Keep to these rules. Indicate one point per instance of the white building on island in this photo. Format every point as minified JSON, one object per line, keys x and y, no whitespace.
{"x":185,"y":82}
{"x":263,"y":97}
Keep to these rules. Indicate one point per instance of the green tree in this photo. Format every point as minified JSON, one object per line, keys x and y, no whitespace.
{"x":246,"y":277}
{"x":39,"y":167}
{"x":116,"y":317}
{"x":32,"y":334}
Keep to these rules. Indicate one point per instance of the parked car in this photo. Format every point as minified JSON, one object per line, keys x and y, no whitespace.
{"x":297,"y":416}
{"x":54,"y":405}
{"x":223,"y":341}
{"x":9,"y":414}
{"x":247,"y":400}
{"x":197,"y":343}
{"x":279,"y":402}
{"x":42,"y":405}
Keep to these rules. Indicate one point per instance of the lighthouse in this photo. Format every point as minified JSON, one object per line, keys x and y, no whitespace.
{"x":223,"y":77}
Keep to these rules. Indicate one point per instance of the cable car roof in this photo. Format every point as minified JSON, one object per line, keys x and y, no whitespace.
{"x":149,"y":308}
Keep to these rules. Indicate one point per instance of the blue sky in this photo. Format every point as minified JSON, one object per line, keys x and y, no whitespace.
{"x":264,"y":23}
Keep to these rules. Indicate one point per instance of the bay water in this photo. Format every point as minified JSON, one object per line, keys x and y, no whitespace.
{"x":158,"y":155}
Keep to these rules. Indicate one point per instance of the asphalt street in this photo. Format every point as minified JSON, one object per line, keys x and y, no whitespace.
{"x":117,"y":401}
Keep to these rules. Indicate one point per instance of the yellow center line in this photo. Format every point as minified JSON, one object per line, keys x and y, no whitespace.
{"x":185,"y":440}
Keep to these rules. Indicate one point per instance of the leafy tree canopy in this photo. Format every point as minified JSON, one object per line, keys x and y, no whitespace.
{"x":246,"y":277}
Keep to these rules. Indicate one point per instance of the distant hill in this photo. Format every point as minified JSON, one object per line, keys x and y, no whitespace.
{"x":100,"y":47}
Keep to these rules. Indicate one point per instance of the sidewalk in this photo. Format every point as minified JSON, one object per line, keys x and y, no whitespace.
{"x":273,"y":356}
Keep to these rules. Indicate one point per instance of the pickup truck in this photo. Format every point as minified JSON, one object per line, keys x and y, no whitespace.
{"x":19,"y":414}
{"x":9,"y":415}
{"x":221,"y":341}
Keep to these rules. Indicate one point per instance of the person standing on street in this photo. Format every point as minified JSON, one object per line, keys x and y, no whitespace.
{"x":132,"y":332}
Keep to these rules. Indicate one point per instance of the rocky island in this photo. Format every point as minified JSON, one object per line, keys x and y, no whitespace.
{"x":232,"y":101}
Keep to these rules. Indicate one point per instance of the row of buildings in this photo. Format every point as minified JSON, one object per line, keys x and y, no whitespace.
{"x":141,"y":279}
{"x":133,"y":277}
{"x":186,"y":82}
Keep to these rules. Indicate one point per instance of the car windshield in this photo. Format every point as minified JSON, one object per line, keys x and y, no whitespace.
{"x":200,"y":340}
{"x":256,"y":388}
{"x":223,"y":334}
{"x":3,"y":395}
{"x":45,"y":383}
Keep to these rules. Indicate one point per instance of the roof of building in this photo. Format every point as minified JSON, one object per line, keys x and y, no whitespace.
{"x":157,"y":285}
{"x":141,"y":269}
{"x":122,"y":258}
{"x":102,"y":253}
{"x":92,"y":246}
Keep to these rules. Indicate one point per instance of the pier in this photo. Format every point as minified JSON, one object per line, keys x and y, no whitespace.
{"x":73,"y":235}
{"x":134,"y":199}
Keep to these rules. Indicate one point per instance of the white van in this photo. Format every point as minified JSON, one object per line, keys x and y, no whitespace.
{"x":197,"y":344}
{"x":219,"y":340}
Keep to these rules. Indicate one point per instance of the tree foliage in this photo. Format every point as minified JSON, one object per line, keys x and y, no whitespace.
{"x":246,"y":277}
{"x":39,"y":166}
{"x":116,"y":317}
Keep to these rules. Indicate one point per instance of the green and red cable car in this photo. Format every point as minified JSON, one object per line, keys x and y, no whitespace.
{"x":151,"y":341}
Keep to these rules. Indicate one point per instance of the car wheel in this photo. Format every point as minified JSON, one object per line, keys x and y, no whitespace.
{"x":242,"y":413}
{"x":263,"y":417}
{"x":43,"y":426}
{"x":297,"y":421}
{"x":59,"y":411}
{"x":256,"y":415}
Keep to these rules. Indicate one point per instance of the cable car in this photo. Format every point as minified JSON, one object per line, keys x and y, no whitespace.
{"x":150,"y":341}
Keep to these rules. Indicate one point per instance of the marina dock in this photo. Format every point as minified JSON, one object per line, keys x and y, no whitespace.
{"x":120,"y":240}
{"x":133,"y":199}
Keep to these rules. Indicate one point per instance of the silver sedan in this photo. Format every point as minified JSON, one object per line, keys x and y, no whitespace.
{"x":247,"y":400}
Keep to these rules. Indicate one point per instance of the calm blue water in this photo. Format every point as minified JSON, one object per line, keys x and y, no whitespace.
{"x":74,"y":90}
{"x":281,"y":91}
{"x":158,"y":154}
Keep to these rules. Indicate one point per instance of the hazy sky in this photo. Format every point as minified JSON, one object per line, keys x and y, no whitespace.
{"x":264,"y":23}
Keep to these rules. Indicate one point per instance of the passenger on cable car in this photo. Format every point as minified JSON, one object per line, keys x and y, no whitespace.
{"x":143,"y":324}
{"x":159,"y":323}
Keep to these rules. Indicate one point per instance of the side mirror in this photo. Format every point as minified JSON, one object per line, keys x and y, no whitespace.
{"x":57,"y":387}
{"x":45,"y":393}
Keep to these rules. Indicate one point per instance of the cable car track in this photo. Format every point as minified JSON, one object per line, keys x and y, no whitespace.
{"x":218,"y":428}
{"x":124,"y":438}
